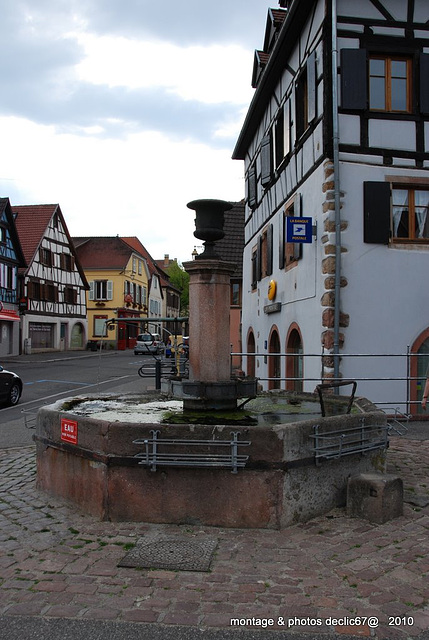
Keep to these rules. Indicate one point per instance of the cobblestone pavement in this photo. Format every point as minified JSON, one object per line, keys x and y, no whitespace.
{"x":58,"y":563}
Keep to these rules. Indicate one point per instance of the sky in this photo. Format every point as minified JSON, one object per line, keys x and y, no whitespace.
{"x":123,"y":111}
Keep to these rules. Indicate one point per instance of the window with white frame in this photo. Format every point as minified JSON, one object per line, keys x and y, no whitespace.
{"x":101,"y":290}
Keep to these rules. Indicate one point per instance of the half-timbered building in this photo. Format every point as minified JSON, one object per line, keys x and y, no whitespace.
{"x":11,"y":259}
{"x":336,"y":152}
{"x":53,"y":284}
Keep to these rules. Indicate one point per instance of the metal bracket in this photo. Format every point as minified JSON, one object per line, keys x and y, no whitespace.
{"x":331,"y":445}
{"x":203,"y":455}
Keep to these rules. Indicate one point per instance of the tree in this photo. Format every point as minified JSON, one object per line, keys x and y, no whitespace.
{"x":180,"y":279}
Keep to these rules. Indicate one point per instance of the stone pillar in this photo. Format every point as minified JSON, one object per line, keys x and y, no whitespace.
{"x":209,"y":304}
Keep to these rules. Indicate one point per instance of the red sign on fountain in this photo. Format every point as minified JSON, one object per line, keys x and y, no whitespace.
{"x":69,"y":431}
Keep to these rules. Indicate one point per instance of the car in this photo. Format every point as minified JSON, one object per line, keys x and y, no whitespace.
{"x":148,"y":343}
{"x":10,"y":387}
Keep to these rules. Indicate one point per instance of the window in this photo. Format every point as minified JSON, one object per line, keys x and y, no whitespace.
{"x":384,"y":82}
{"x":70,"y":295}
{"x":67,"y":262}
{"x":266,"y":160}
{"x":390,"y":84}
{"x":100,"y":326}
{"x":290,"y":252}
{"x":301,"y":104}
{"x":101,"y":290}
{"x":305,"y":90}
{"x":395,"y":214}
{"x":2,"y":235}
{"x":46,"y":257}
{"x":50,"y":292}
{"x":255,"y":268}
{"x":266,"y":252}
{"x":7,"y":276}
{"x":34,"y":289}
{"x":251,"y":187}
{"x":235,"y":294}
{"x":410,"y":220}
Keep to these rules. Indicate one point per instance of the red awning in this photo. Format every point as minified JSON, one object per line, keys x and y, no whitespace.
{"x":5,"y":314}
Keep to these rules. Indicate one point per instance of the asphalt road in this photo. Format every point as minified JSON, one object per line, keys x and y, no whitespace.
{"x":50,"y":377}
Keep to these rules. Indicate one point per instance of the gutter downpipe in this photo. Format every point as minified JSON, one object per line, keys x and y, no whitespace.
{"x":337,"y":199}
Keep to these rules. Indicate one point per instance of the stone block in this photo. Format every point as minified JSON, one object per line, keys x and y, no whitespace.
{"x":375,"y":497}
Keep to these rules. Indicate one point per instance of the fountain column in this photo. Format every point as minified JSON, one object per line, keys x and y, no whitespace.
{"x":210,"y":386}
{"x":209,"y":302}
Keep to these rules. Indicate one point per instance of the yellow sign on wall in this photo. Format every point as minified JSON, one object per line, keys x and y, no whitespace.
{"x":272,"y":289}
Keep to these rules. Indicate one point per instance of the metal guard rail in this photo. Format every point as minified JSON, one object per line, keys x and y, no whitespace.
{"x":153,"y":458}
{"x":361,"y":439}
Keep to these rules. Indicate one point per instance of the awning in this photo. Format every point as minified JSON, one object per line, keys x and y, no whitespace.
{"x":9,"y":315}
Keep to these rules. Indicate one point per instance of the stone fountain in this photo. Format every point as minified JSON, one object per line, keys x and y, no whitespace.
{"x":210,"y":386}
{"x":231,"y":470}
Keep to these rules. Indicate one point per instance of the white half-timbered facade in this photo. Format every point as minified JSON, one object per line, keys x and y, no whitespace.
{"x":338,"y":134}
{"x":53,"y":285}
{"x":11,"y":259}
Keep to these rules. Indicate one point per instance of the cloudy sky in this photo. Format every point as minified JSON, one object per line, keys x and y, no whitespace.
{"x":122,"y":111}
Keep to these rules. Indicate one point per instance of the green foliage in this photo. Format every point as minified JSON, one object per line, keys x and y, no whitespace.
{"x":180,"y":279}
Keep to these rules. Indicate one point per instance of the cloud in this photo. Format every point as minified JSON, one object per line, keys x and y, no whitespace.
{"x":124,"y":110}
{"x":136,"y":186}
{"x":186,"y":22}
{"x":210,"y":74}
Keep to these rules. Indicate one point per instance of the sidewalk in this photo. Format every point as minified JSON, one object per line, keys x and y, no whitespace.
{"x":56,"y":563}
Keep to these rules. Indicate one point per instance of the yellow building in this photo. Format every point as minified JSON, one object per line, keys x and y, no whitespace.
{"x":118,"y":280}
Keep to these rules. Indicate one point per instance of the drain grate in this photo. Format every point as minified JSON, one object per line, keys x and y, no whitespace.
{"x":173,"y":553}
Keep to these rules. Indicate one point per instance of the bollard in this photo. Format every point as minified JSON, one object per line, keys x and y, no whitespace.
{"x":157,"y":374}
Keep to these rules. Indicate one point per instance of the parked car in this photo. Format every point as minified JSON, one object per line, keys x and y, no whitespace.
{"x":10,"y":387}
{"x":148,"y":343}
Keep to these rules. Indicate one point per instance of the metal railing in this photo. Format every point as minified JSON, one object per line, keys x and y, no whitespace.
{"x":403,"y":368}
{"x":358,"y":439}
{"x":204,"y":453}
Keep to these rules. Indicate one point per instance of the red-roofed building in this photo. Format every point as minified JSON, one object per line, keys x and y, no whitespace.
{"x":53,"y":284}
{"x":164,"y":297}
{"x":11,"y":258}
{"x":118,"y":278}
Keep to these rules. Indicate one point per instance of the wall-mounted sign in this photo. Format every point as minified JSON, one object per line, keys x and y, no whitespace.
{"x":275,"y":307}
{"x":272,"y":289}
{"x":299,"y":229}
{"x":69,"y":430}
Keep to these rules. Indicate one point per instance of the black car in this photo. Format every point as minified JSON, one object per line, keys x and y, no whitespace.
{"x":10,"y":387}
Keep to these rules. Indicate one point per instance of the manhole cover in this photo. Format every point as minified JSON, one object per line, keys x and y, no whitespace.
{"x":173,"y":553}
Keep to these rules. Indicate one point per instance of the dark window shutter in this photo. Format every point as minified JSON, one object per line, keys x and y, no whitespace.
{"x":259,"y":260}
{"x":376,"y":214}
{"x":266,"y":160}
{"x":286,"y":127}
{"x":254,"y":278}
{"x":297,"y":246}
{"x":311,"y":87}
{"x":269,"y":250}
{"x":282,"y":241}
{"x":354,"y":92}
{"x":280,"y":138}
{"x":251,"y":187}
{"x":424,"y":82}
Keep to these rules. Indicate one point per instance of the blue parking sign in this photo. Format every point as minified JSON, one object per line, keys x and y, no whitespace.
{"x":299,"y":229}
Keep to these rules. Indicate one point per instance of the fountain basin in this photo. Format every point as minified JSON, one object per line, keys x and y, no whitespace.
{"x":283,"y":482}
